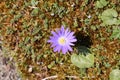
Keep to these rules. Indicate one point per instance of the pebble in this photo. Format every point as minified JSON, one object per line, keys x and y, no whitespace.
{"x":30,"y":69}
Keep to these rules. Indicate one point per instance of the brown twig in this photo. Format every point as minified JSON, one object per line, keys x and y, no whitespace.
{"x":52,"y":77}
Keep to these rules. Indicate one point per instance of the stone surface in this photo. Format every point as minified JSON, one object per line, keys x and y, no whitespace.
{"x":7,"y":68}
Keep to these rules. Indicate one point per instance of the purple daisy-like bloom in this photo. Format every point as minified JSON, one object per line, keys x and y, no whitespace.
{"x":62,"y":40}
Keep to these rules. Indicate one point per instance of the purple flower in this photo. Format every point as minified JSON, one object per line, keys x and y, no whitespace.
{"x":62,"y":40}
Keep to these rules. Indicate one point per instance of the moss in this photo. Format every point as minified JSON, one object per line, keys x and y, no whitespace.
{"x":25,"y":29}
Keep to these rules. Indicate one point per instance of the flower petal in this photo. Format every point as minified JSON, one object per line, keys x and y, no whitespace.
{"x":70,"y":35}
{"x":73,"y":40}
{"x":62,"y":29}
{"x":71,"y":44}
{"x":64,"y":50}
{"x":54,"y":34}
{"x":66,"y":34}
{"x":54,"y":44}
{"x":59,"y":49}
{"x":66,"y":31}
{"x":56,"y":48}
{"x":69,"y":48}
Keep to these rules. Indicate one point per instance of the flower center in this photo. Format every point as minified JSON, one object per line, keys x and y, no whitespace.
{"x":61,"y":40}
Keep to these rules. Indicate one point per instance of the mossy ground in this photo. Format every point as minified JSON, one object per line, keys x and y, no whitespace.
{"x":25,"y":27}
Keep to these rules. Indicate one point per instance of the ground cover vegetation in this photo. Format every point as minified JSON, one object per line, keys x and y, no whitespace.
{"x":26,"y":25}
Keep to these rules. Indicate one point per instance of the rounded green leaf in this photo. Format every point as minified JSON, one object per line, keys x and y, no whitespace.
{"x":83,"y":61}
{"x":115,"y":74}
{"x":109,"y":17}
{"x":101,"y":3}
{"x":115,"y":33}
{"x":110,"y":13}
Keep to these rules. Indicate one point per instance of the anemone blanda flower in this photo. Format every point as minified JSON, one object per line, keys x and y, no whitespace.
{"x":62,"y":40}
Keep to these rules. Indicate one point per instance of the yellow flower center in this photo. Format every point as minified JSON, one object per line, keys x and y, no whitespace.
{"x":61,"y":40}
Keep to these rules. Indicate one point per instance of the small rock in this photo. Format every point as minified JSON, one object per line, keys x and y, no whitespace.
{"x":73,"y":5}
{"x":52,"y":14}
{"x":89,"y":16}
{"x":30,"y":69}
{"x":39,"y":63}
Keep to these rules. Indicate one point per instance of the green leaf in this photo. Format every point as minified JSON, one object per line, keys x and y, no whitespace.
{"x":46,"y":23}
{"x":75,"y":23}
{"x":35,"y":11}
{"x":115,"y":74}
{"x":110,"y":13}
{"x":115,"y":33}
{"x":10,"y":30}
{"x":101,"y":3}
{"x":34,"y":2}
{"x":36,"y":30}
{"x":109,"y":17}
{"x":27,"y":49}
{"x":21,"y":44}
{"x":110,"y":21}
{"x":25,"y":25}
{"x":106,"y":64}
{"x":51,"y":64}
{"x":18,"y":16}
{"x":83,"y":61}
{"x":26,"y":40}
